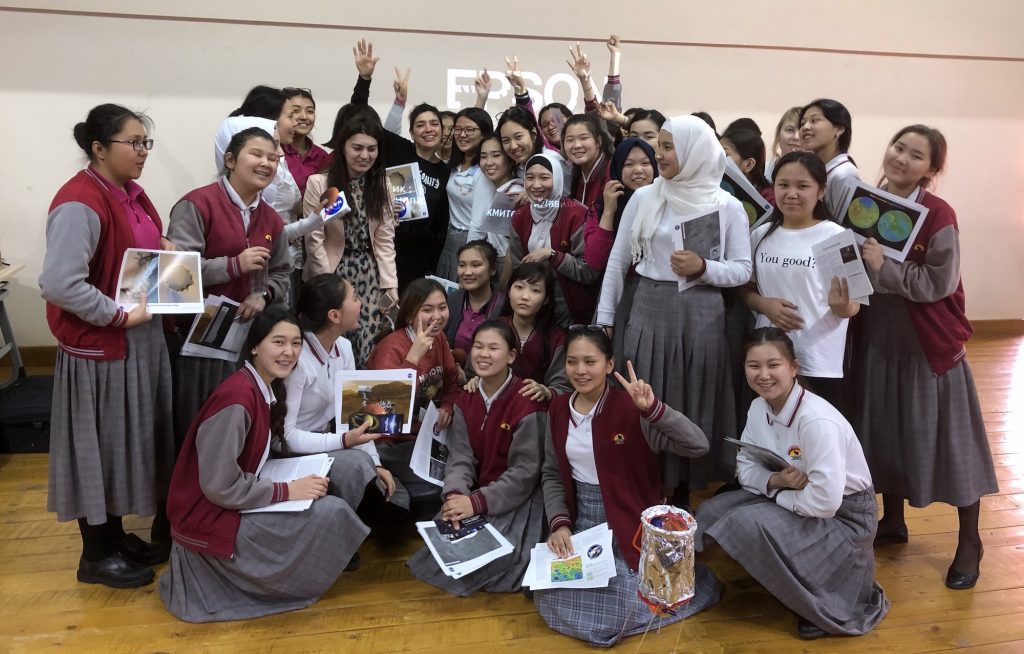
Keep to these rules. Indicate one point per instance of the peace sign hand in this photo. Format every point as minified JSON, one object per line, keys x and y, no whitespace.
{"x":423,"y":343}
{"x":639,"y":391}
{"x":580,"y":63}
{"x":514,"y":75}
{"x":483,"y":84}
{"x":402,"y":84}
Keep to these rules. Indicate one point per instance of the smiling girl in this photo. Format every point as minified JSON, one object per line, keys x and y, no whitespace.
{"x":787,"y":138}
{"x":588,"y":147}
{"x":826,"y":129}
{"x":823,"y":496}
{"x":229,"y":565}
{"x":934,"y":448}
{"x":244,"y":256}
{"x":495,"y":450}
{"x":478,"y":298}
{"x":601,"y":466}
{"x":500,"y":172}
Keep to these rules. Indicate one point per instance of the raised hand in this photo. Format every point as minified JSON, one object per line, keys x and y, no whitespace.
{"x":365,"y":61}
{"x":514,"y":75}
{"x":614,"y":45}
{"x":401,"y":84}
{"x":482,"y":83}
{"x":639,"y":391}
{"x":422,"y":344}
{"x":609,"y":112}
{"x":579,"y":63}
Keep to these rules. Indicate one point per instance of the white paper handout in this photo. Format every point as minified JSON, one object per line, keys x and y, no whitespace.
{"x":430,"y":453}
{"x":498,"y":217}
{"x":700,"y":233}
{"x":384,"y":398}
{"x":839,"y":256}
{"x":463,"y":556}
{"x":288,"y":470}
{"x":591,"y":565}
{"x":769,"y":459}
{"x":889,"y":219}
{"x":407,"y":189}
{"x":736,"y":184}
{"x":171,"y":281}
{"x":215,"y":333}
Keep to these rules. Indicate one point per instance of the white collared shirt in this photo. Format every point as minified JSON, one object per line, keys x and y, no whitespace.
{"x":244,"y":210}
{"x":579,"y":443}
{"x":489,"y":399}
{"x":838,"y":170}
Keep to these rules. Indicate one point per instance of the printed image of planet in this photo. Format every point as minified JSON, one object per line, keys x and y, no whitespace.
{"x":894,"y":226}
{"x":728,"y":187}
{"x":751,"y":212}
{"x":863,"y":212}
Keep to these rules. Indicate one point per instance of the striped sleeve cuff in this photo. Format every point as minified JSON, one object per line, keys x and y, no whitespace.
{"x":615,"y":79}
{"x":120,"y":318}
{"x":557,"y":258}
{"x":655,"y":413}
{"x":479,"y":503}
{"x":234,"y":269}
{"x":559,"y":521}
{"x":522,"y":99}
{"x":280,"y":492}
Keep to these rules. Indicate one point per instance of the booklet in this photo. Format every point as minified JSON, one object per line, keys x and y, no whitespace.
{"x":839,"y":256}
{"x":384,"y":398}
{"x":407,"y":189}
{"x":171,"y":281}
{"x":769,"y":459}
{"x":736,"y":184}
{"x":215,"y":333}
{"x":467,"y":554}
{"x":498,"y":218}
{"x":889,"y":219}
{"x":701,"y":234}
{"x":430,"y":453}
{"x":591,"y":565}
{"x":290,"y":469}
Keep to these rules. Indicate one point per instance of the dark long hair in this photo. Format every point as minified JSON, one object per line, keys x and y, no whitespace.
{"x":936,"y":143}
{"x":409,"y":303}
{"x":544,"y":322}
{"x":483,"y":121}
{"x":507,"y":332}
{"x":262,"y":325}
{"x":376,"y":200}
{"x":618,"y":161}
{"x":837,"y":114}
{"x":816,"y":168}
{"x":262,"y":102}
{"x":238,"y":141}
{"x":319,"y":296}
{"x":749,"y":145}
{"x":773,"y":336}
{"x":605,"y":143}
{"x":103,"y":123}
{"x":525,"y":120}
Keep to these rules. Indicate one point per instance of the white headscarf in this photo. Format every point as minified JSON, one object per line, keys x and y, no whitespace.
{"x":697,"y":186}
{"x":547,"y":209}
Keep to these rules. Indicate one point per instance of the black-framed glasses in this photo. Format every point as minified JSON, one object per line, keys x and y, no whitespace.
{"x":585,"y":328}
{"x":138,"y":146}
{"x":468,"y":131}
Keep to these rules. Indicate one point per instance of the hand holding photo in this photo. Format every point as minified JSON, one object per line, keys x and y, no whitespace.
{"x":701,"y":234}
{"x":381,"y":398}
{"x":407,"y":190}
{"x":891,"y":220}
{"x":735,"y":183}
{"x":171,"y":281}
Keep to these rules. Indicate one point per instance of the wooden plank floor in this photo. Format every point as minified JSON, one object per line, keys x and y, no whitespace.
{"x":381,"y":608}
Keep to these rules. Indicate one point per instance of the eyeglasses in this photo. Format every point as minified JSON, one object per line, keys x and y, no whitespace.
{"x":139,"y":146}
{"x":585,"y":328}
{"x":468,"y":131}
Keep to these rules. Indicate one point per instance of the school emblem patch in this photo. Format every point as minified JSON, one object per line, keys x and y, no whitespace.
{"x":794,"y":453}
{"x":506,"y":426}
{"x":618,"y":439}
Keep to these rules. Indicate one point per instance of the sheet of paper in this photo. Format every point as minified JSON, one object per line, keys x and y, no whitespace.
{"x":889,"y":219}
{"x":591,"y":565}
{"x":288,"y":470}
{"x":171,"y":281}
{"x":736,"y":184}
{"x":466,"y":555}
{"x":839,"y":256}
{"x":430,"y":452}
{"x":700,"y":233}
{"x":385,"y":398}
{"x":769,"y":459}
{"x":498,"y":217}
{"x":215,"y":334}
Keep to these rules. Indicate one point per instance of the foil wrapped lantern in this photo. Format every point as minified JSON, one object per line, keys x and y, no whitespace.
{"x":666,"y":558}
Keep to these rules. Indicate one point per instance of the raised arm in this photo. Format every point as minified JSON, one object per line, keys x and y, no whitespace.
{"x":365,"y":62}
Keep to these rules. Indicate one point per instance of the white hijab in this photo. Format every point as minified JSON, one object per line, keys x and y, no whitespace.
{"x":547,"y":209}
{"x":697,"y":186}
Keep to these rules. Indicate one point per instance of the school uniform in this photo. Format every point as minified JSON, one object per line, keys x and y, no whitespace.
{"x":461,"y":188}
{"x":810,"y":548}
{"x":839,"y":169}
{"x":914,"y":403}
{"x":464,"y":319}
{"x":602,"y":467}
{"x":542,"y":358}
{"x":228,"y":565}
{"x":302,"y":166}
{"x":483,"y":198}
{"x":111,"y":443}
{"x":438,"y":380}
{"x":214,"y":221}
{"x":495,"y":450}
{"x":309,"y":425}
{"x":587,"y":189}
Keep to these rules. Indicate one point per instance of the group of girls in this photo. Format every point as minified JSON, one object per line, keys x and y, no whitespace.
{"x":581,"y":295}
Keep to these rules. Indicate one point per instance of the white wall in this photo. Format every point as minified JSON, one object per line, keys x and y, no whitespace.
{"x":957,"y":66}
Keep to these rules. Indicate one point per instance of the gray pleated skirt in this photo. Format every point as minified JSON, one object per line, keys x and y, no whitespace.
{"x":111,"y":443}
{"x":823,"y":569}
{"x":923,"y":435}
{"x":395,"y":456}
{"x":282,"y":562}
{"x":350,"y":473}
{"x":195,"y":379}
{"x":523,"y":527}
{"x":603,"y":616}
{"x":448,"y":262}
{"x":677,"y":344}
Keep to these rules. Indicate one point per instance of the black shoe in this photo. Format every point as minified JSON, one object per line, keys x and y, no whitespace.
{"x":897,"y":537}
{"x":808,"y":630}
{"x":115,"y":571}
{"x":964,"y":580}
{"x":353,"y":563}
{"x":139,"y":551}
